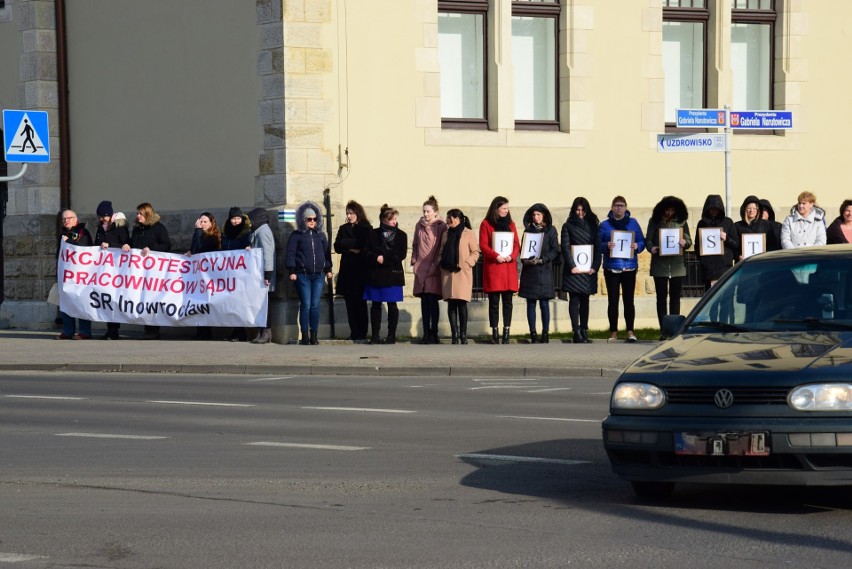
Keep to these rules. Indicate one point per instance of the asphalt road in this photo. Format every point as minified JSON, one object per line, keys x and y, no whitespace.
{"x":184,"y":471}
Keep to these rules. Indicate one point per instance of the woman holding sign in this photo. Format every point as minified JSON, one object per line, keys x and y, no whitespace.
{"x":539,"y":249}
{"x":459,"y":252}
{"x":498,"y":241}
{"x":149,"y":234}
{"x":581,"y":260}
{"x":755,"y":233}
{"x":666,"y":239}
{"x":718,"y":244}
{"x":621,"y":240}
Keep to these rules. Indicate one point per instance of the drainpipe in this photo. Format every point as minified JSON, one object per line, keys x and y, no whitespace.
{"x":62,"y":93}
{"x":326,"y":201}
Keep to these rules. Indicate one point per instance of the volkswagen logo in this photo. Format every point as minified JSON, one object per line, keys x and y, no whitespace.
{"x":724,"y":398}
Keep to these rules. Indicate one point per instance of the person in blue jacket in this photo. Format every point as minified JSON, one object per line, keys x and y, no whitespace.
{"x":619,"y":272}
{"x":308,"y":261}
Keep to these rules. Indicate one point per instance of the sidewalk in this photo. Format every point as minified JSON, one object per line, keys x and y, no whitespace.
{"x":39,"y":350}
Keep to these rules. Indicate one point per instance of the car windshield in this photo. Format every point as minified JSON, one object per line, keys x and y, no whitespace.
{"x":780,"y":294}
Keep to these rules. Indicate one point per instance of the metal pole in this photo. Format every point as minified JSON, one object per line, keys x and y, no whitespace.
{"x":727,"y":161}
{"x":16,"y":176}
{"x":326,"y":201}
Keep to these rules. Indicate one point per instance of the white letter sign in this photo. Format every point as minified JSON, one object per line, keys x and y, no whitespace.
{"x":531,"y":247}
{"x":710,"y":241}
{"x":752,"y":244}
{"x":503,"y":242}
{"x":582,"y":255}
{"x":670,"y":240}
{"x":623,"y":245}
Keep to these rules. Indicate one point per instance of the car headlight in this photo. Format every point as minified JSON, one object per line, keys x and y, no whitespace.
{"x":637,"y":396}
{"x":822,"y":397}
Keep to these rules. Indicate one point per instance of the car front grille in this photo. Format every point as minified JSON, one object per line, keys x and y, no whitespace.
{"x":742,"y":395}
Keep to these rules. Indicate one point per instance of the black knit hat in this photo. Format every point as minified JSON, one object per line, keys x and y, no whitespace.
{"x":105,"y":208}
{"x":235,"y":212}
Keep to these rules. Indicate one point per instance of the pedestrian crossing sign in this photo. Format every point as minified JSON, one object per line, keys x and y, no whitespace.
{"x":26,"y":137}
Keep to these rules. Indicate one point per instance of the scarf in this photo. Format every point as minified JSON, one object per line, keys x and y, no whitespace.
{"x":502,"y":224}
{"x":450,"y":254}
{"x":388,"y":234}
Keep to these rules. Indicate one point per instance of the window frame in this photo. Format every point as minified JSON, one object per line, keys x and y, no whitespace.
{"x":475,"y":7}
{"x":551,"y":9}
{"x":760,"y":16}
{"x":692,"y":15}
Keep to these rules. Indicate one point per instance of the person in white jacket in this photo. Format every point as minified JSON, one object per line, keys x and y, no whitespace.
{"x":805,"y":226}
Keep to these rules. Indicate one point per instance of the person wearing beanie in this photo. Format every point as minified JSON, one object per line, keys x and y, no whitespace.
{"x":308,"y":263}
{"x":263,"y":239}
{"x":112,"y":232}
{"x":236,"y":234}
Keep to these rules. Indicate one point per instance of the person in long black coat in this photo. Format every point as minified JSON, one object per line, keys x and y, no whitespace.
{"x":713,"y":216}
{"x":386,"y":250}
{"x":537,"y":272}
{"x":351,"y":245}
{"x":581,"y":228}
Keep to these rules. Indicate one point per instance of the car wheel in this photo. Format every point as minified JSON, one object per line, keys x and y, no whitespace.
{"x":652,"y":489}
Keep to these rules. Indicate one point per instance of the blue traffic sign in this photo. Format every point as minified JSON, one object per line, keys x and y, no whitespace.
{"x":26,"y":136}
{"x":701,"y":118}
{"x":767,"y":120}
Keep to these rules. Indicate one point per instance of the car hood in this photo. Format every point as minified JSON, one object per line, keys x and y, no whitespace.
{"x":758,"y":351}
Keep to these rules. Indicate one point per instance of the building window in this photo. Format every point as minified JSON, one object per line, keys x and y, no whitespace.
{"x":535,"y":59}
{"x":684,"y":55}
{"x":752,"y":53}
{"x":462,"y":50}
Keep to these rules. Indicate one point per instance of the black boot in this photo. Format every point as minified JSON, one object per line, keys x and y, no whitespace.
{"x":376,"y":323}
{"x":577,"y":336}
{"x":393,"y":320}
{"x":427,"y":334}
{"x":505,"y":334}
{"x":454,"y":326}
{"x":463,"y":324}
{"x":305,"y":341}
{"x":314,"y":340}
{"x":495,"y":336}
{"x":584,"y":332}
{"x":533,"y":337}
{"x":434,"y":338}
{"x":545,"y":338}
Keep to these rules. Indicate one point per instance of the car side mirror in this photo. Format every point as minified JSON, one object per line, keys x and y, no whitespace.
{"x":672,"y":324}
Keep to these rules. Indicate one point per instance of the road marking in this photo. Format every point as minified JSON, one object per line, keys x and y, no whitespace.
{"x":17,"y":557}
{"x":549,"y":389}
{"x":533,"y":459}
{"x":271,"y":378}
{"x":44,"y":397}
{"x":108,"y":436}
{"x":500,"y":379}
{"x":498,"y":387}
{"x":309,"y":446}
{"x":361,"y":409}
{"x":551,"y":419}
{"x":602,"y":393}
{"x":207,"y":403}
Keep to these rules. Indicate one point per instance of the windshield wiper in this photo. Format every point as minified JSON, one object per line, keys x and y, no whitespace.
{"x":719,"y":326}
{"x":815,"y":322}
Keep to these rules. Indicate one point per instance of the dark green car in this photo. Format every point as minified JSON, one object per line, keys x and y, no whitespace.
{"x":755,"y":386}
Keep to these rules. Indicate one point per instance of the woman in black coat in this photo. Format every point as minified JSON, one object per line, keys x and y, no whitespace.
{"x":713,"y":216}
{"x":351,"y":244}
{"x":581,"y":228}
{"x":205,"y":238}
{"x":537,"y":272}
{"x":387,"y":248}
{"x":112,"y":232}
{"x":149,"y":234}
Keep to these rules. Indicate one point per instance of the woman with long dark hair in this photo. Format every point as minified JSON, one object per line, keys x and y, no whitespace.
{"x":459,"y":253}
{"x":387,"y":249}
{"x":351,"y":245}
{"x":498,"y":241}
{"x":581,"y":228}
{"x":537,"y":272}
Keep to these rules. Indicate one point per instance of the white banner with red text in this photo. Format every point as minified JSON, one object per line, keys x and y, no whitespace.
{"x":222,"y":288}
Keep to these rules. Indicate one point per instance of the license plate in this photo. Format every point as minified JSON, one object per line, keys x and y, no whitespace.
{"x":722,"y":444}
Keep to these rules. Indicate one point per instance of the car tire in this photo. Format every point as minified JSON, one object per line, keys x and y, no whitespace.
{"x":645,"y":489}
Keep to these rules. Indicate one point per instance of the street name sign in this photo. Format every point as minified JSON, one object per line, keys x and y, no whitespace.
{"x":690,"y":143}
{"x":766,"y":120}
{"x":26,"y":136}
{"x":701,"y":118}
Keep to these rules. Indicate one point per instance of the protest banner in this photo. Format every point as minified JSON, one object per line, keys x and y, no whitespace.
{"x":221,"y":288}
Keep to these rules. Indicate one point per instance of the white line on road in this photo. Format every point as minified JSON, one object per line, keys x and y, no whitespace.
{"x":549,"y":389}
{"x":45,"y":397}
{"x":270,"y":378}
{"x":207,"y":403}
{"x":498,"y":387}
{"x":308,"y":446}
{"x":495,"y":380}
{"x":601,"y":393}
{"x":551,"y":419}
{"x":18,"y":557}
{"x":361,"y":409}
{"x":108,"y":436}
{"x":507,"y":458}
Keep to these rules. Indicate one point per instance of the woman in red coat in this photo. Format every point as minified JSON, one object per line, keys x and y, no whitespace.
{"x":498,"y":241}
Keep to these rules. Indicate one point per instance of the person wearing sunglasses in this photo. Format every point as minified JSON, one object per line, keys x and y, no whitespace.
{"x":308,"y":262}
